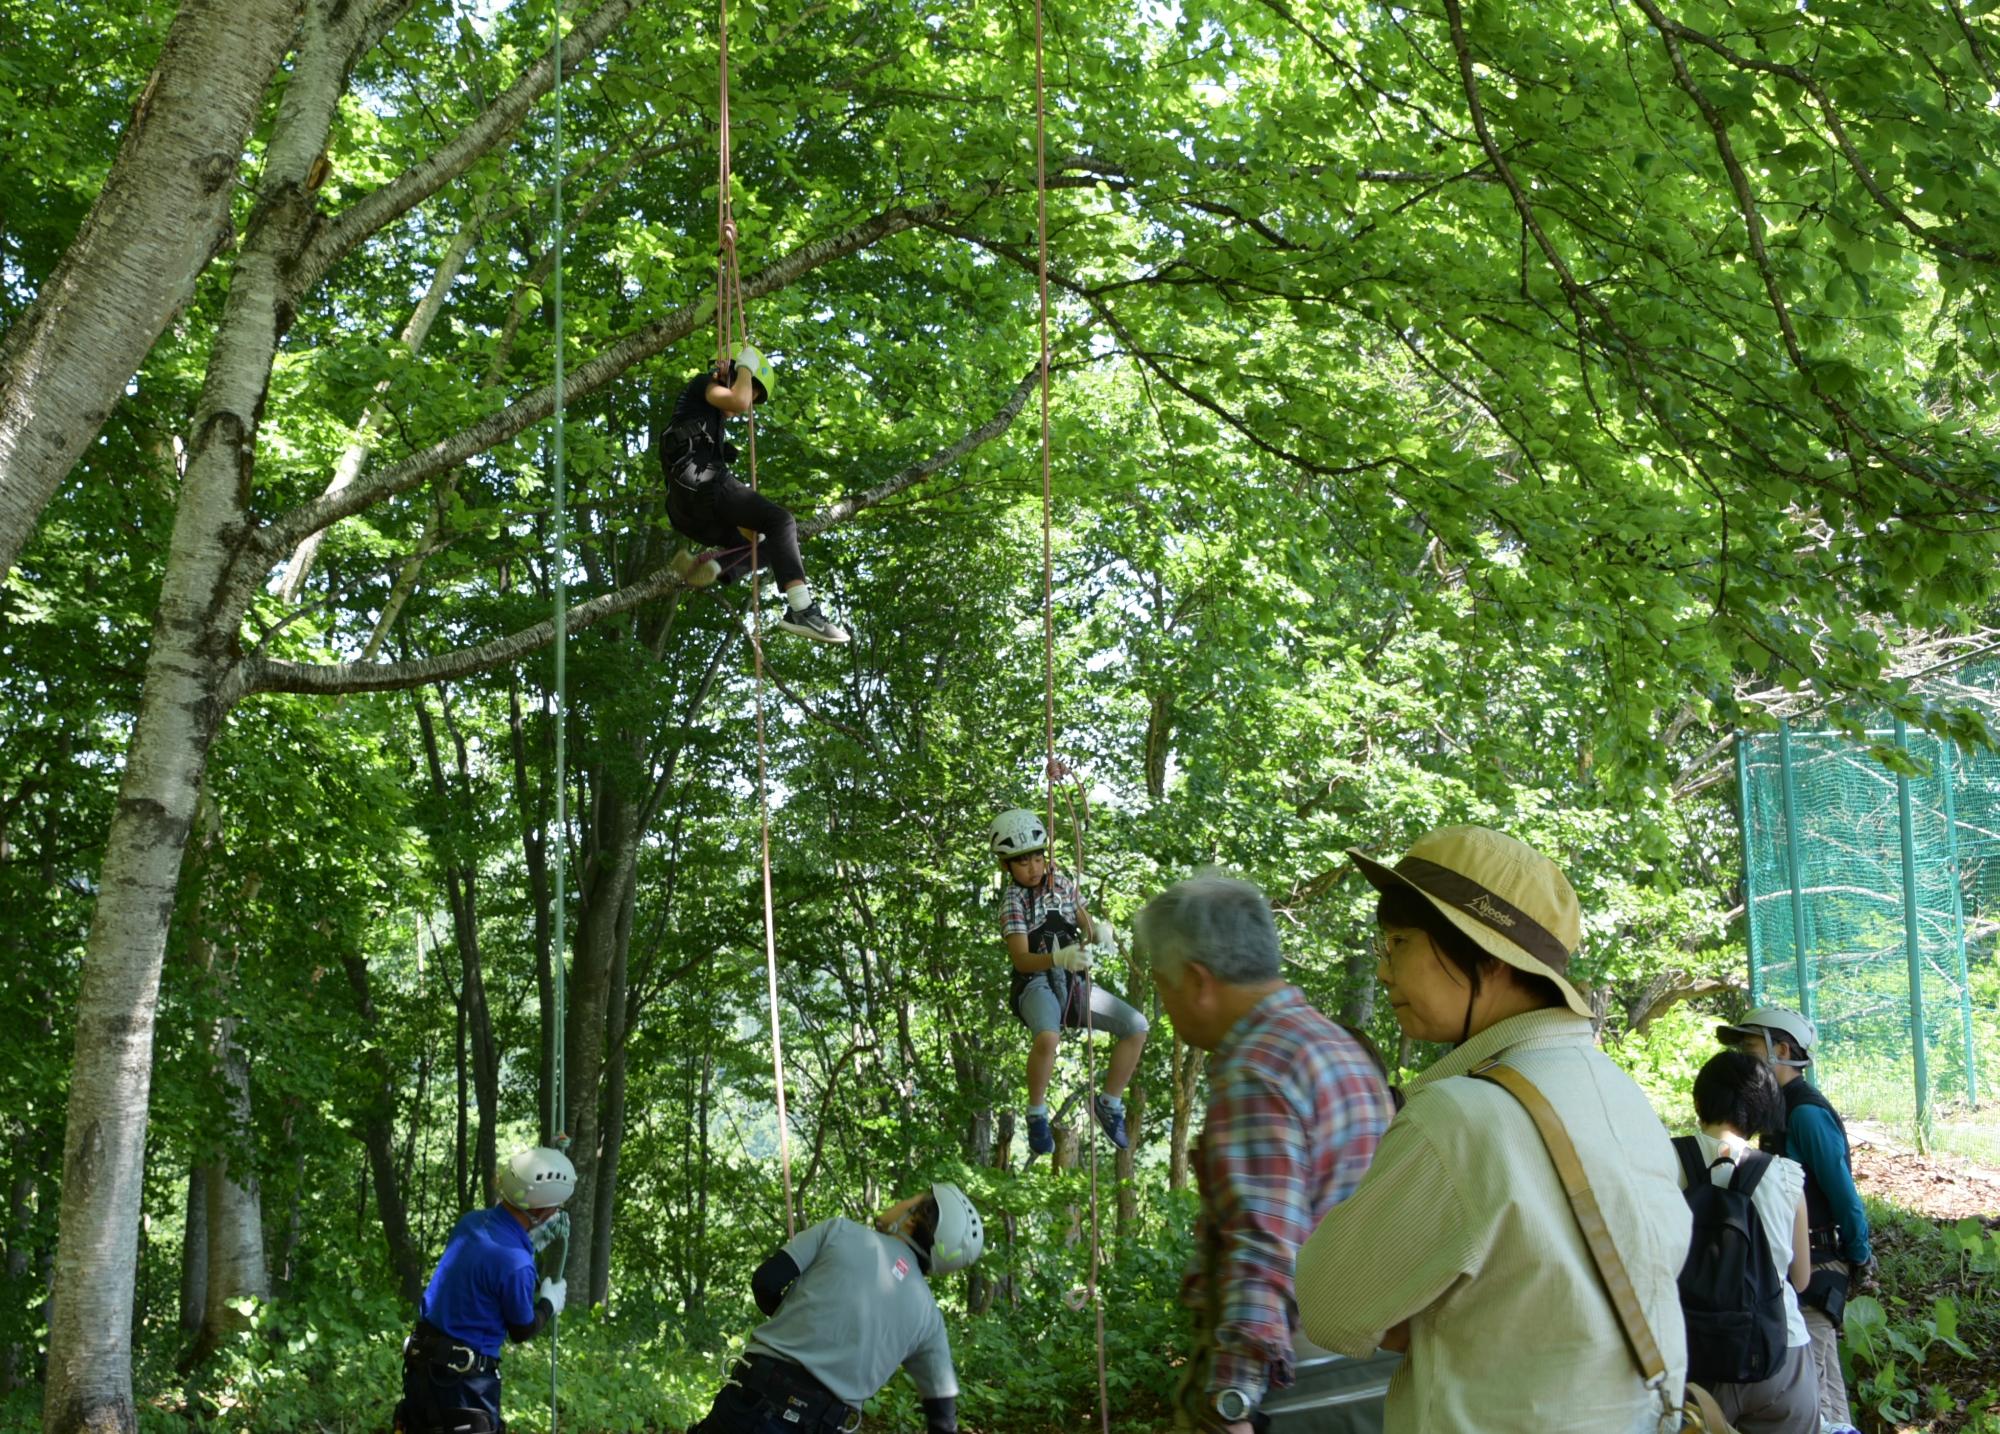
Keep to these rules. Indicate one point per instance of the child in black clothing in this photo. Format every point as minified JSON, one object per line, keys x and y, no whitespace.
{"x":711,"y":505}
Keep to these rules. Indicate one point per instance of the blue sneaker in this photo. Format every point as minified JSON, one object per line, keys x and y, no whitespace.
{"x":1111,"y":1121}
{"x":1041,"y":1140}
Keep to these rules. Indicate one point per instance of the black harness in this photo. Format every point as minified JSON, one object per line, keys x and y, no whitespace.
{"x":792,"y":1395}
{"x":428,"y":1344}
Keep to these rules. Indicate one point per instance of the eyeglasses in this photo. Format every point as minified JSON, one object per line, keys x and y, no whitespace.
{"x":1387,"y":946}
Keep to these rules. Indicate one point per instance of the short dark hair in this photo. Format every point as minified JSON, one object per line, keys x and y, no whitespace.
{"x":1399,"y":906}
{"x":1736,"y":1089}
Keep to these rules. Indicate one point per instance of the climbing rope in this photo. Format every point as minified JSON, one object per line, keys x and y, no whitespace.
{"x":559,"y":941}
{"x":1049,"y":669}
{"x":732,"y":325}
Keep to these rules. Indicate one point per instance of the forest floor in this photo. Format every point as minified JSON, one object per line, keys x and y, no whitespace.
{"x":1929,"y":1385}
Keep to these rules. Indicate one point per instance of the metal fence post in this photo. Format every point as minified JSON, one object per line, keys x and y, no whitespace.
{"x":1807,"y":1005}
{"x":1947,"y":769}
{"x":1749,"y":871}
{"x":1913,"y":943}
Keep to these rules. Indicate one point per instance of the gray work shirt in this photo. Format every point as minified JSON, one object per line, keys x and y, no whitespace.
{"x":859,"y":1308}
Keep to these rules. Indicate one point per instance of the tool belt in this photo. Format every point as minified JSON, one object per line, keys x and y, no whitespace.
{"x":791,"y":1394}
{"x":428,"y":1344}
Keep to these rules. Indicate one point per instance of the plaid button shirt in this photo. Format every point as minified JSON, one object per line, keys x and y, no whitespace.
{"x":1296,"y":1107}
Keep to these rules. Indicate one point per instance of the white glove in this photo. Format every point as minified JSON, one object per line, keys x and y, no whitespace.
{"x":1104,"y":936}
{"x":1070,"y":958}
{"x":555,"y":1292}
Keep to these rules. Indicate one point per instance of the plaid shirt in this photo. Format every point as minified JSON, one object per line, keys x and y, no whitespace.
{"x":1295,"y":1109}
{"x":1023,"y":908}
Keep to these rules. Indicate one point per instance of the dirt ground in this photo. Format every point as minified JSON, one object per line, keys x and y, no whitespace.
{"x":1940,"y":1186}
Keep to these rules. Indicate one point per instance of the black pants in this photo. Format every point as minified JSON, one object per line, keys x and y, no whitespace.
{"x":750,"y":1404}
{"x":433,"y":1395}
{"x":716,"y":510}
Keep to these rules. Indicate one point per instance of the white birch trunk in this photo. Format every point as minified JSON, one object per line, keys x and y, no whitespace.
{"x":185,"y":697}
{"x":161,"y":216}
{"x":236,"y":1265}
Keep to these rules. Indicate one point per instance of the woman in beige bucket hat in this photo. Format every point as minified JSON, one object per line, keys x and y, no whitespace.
{"x":1460,"y":1244}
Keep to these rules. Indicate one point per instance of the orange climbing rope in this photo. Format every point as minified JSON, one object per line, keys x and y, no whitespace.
{"x":732,"y":325}
{"x":1049,"y":669}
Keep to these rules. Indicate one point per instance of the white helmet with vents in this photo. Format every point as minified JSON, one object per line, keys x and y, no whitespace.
{"x":961,"y":1235}
{"x":535,"y":1178}
{"x":1769,"y":1024}
{"x":1017,"y":833}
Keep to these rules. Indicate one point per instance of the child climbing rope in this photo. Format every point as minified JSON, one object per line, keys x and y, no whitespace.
{"x":709,"y":504}
{"x":1043,"y":923}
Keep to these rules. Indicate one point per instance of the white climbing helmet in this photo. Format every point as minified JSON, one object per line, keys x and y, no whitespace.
{"x":763,"y":373}
{"x":535,"y":1178}
{"x":1017,"y":833}
{"x":1767,"y":1023}
{"x":960,"y":1237}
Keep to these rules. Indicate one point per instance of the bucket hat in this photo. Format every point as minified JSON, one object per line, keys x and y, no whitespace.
{"x":1507,"y":898}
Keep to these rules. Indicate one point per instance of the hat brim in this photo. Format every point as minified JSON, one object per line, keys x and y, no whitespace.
{"x":1385,"y":878}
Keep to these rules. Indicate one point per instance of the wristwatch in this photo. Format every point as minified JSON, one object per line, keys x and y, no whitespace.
{"x":1232,"y":1406}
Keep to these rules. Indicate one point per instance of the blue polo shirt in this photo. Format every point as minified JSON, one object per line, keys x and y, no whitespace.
{"x":484,"y":1282}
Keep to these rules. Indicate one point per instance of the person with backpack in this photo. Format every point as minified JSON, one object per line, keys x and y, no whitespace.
{"x":1811,"y":1132}
{"x":845,"y":1305}
{"x":1046,"y":932}
{"x":1750,"y":1256}
{"x":711,"y":505}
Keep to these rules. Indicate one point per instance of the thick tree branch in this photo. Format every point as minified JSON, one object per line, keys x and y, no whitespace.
{"x":444,"y":164}
{"x":285,"y":531}
{"x":264,"y":674}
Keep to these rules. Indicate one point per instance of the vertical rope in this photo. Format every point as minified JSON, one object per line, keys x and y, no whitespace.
{"x":1049,"y":672}
{"x":559,"y":944}
{"x":732,"y":324}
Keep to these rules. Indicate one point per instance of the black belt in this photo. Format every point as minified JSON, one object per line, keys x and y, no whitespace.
{"x":432,"y":1345}
{"x":793,"y":1395}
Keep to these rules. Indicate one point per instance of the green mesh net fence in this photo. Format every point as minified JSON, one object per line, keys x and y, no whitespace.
{"x":1874,"y":907}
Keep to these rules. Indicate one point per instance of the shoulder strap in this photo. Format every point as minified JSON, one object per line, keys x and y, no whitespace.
{"x":1589,"y":1217}
{"x":1689,"y":1150}
{"x":1749,"y":1171}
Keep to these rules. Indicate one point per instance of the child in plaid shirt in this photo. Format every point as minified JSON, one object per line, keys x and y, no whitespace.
{"x":1043,"y":923}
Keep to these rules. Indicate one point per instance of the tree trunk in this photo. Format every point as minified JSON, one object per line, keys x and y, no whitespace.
{"x":162,"y":215}
{"x":377,"y":1130}
{"x":461,"y":873}
{"x":616,"y":1032}
{"x":1186,"y":1077}
{"x":203,"y":596}
{"x":195,"y":1253}
{"x":608,"y":859}
{"x":17,"y":1360}
{"x":236,"y":1265}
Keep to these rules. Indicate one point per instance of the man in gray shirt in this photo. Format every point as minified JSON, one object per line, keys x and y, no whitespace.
{"x":846,"y":1306}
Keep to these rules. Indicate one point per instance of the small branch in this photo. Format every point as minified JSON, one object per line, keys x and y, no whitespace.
{"x":444,"y":164}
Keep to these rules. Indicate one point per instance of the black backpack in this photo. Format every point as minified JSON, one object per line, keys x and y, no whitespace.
{"x":1732,"y":1295}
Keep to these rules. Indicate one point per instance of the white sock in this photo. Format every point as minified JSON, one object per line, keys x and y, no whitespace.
{"x":1113,"y":1103}
{"x":799,"y":597}
{"x":1041,"y":1110}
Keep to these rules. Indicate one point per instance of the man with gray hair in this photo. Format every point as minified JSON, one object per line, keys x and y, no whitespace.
{"x":1296,"y":1106}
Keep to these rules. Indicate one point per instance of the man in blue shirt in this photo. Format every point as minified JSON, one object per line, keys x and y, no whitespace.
{"x":1815,"y":1136}
{"x":482,"y":1294}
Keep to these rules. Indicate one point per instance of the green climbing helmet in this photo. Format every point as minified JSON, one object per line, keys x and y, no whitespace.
{"x":763,"y":373}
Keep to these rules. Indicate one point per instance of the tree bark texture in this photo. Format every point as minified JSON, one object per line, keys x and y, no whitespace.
{"x":202,"y":597}
{"x":162,"y":215}
{"x":194,"y":1251}
{"x":237,"y":1269}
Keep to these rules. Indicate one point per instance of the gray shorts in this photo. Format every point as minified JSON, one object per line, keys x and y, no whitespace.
{"x":1040,"y":1008}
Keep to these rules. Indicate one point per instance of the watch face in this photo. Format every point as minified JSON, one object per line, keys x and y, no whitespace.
{"x":1232,"y":1405}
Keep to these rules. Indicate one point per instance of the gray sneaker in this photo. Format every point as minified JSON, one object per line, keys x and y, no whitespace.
{"x":809,"y":621}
